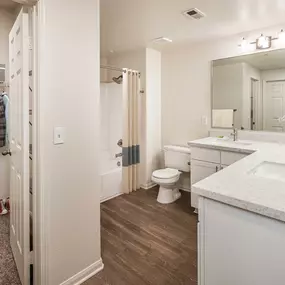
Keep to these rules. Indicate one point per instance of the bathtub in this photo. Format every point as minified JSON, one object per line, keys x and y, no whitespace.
{"x":111,"y":176}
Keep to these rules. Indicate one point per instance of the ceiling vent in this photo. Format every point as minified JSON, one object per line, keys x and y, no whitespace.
{"x":161,"y":40}
{"x":194,"y":13}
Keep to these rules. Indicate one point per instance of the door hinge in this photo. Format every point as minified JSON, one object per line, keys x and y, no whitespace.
{"x":31,"y":257}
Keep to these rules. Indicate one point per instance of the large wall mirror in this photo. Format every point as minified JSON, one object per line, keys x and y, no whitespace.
{"x":252,"y":85}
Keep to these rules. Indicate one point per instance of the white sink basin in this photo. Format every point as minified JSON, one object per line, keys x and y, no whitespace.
{"x":270,"y":170}
{"x":228,"y":141}
{"x":242,"y":143}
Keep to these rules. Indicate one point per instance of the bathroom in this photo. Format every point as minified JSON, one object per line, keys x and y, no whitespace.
{"x":188,"y":105}
{"x":177,"y":141}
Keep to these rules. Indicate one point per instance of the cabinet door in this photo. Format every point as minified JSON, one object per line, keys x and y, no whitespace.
{"x":239,"y":247}
{"x":199,"y":171}
{"x":202,"y":169}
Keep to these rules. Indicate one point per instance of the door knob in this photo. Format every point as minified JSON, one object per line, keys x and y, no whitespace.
{"x":6,"y":152}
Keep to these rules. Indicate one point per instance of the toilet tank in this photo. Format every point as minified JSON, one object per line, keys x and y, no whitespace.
{"x":177,"y":157}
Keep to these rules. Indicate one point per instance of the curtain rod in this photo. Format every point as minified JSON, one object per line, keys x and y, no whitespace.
{"x":112,"y":68}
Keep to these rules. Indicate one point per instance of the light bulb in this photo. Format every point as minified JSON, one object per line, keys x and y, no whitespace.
{"x":281,"y":36}
{"x":243,"y":44}
{"x":262,"y":40}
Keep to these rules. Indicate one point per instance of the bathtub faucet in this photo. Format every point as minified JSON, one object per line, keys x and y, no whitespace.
{"x":118,"y":155}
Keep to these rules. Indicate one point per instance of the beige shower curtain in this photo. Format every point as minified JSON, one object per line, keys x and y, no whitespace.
{"x":131,"y":131}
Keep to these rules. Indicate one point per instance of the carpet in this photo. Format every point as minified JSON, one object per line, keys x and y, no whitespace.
{"x":8,"y":270}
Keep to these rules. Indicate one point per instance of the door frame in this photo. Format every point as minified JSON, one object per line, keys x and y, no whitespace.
{"x":255,"y":103}
{"x":40,"y":198}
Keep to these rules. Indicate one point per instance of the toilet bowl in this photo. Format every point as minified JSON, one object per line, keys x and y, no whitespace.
{"x":177,"y":161}
{"x":167,"y":179}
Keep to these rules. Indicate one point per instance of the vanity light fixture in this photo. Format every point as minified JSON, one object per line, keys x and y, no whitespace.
{"x":263,"y":42}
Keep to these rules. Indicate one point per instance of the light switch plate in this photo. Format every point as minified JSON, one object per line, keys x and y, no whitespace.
{"x":204,"y":120}
{"x":58,"y":135}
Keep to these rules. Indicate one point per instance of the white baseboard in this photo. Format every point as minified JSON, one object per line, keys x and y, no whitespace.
{"x":85,"y":274}
{"x":112,"y":197}
{"x":185,"y":189}
{"x":148,"y":185}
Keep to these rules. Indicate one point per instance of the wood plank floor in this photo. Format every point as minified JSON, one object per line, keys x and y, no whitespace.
{"x":145,"y":243}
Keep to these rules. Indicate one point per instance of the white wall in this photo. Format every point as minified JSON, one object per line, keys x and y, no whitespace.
{"x":153,"y":112}
{"x":186,"y":85}
{"x":274,"y":74}
{"x":6,"y":23}
{"x":232,"y":90}
{"x":70,"y":172}
{"x":228,"y":90}
{"x":103,"y":72}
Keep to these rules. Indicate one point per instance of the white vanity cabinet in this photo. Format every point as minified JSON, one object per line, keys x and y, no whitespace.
{"x":205,"y":162}
{"x":238,"y":247}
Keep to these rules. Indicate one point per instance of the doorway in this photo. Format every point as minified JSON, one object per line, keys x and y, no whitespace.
{"x":274,"y":106}
{"x":254,"y":93}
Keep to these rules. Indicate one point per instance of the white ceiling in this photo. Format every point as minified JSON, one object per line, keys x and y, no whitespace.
{"x":263,"y":61}
{"x":130,"y":24}
{"x":8,"y":4}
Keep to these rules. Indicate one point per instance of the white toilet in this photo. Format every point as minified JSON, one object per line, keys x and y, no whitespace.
{"x":177,"y":160}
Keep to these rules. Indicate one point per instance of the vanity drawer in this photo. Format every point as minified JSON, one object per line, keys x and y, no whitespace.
{"x":228,"y":158}
{"x":204,"y":154}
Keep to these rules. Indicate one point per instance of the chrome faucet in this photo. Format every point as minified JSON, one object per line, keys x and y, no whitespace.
{"x":235,"y":134}
{"x":117,"y":155}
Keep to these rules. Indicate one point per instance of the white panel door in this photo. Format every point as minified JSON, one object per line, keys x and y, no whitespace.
{"x":19,"y":144}
{"x":274,"y":106}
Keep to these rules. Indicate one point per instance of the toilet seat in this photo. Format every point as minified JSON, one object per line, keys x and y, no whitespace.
{"x":167,"y":179}
{"x":167,"y":173}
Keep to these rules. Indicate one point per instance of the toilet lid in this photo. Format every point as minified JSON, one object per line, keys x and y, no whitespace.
{"x":165,"y":173}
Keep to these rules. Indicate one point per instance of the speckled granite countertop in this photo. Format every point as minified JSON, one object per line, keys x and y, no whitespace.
{"x":236,"y":186}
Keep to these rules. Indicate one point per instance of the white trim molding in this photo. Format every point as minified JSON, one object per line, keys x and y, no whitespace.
{"x":85,"y":274}
{"x":112,"y":197}
{"x":148,"y":185}
{"x":26,"y":2}
{"x":40,"y":197}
